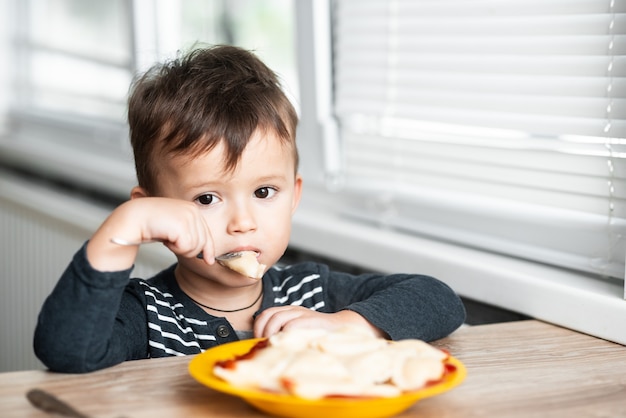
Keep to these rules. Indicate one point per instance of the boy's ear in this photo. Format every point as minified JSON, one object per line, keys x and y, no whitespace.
{"x":297,"y":193}
{"x":138,"y":192}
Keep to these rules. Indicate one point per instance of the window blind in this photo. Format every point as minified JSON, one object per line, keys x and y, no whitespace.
{"x":499,"y":125}
{"x":72,"y":57}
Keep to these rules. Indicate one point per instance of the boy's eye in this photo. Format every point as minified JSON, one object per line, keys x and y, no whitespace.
{"x":207,"y":199}
{"x":264,"y":192}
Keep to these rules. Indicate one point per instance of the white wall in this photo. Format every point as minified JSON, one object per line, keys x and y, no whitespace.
{"x":4,"y":59}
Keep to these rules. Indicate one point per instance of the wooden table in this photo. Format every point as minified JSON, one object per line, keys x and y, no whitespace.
{"x":515,"y":369}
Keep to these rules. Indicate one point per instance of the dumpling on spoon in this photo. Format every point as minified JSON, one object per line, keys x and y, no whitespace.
{"x":243,"y":262}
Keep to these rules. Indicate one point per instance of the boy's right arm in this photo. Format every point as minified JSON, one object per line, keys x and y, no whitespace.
{"x":90,"y":321}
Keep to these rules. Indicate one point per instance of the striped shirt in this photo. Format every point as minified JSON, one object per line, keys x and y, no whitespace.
{"x":178,"y":327}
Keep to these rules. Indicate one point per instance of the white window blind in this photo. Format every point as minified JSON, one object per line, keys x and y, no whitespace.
{"x":73,"y":56}
{"x":499,"y":125}
{"x":79,"y":56}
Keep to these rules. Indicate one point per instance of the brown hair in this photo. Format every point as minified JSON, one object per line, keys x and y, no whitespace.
{"x":188,"y":105}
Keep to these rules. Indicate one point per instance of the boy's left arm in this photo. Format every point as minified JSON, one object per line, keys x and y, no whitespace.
{"x":397,"y":306}
{"x":400,"y":305}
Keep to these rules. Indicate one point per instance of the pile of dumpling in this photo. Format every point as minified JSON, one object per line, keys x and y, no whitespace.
{"x":350,"y":362}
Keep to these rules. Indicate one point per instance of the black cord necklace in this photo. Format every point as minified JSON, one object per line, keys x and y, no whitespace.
{"x":226,"y":310}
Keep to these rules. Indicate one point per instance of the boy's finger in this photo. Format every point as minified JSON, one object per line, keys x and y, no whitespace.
{"x":274,"y":320}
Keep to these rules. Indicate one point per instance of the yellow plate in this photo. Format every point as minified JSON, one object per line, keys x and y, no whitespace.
{"x":201,"y":368}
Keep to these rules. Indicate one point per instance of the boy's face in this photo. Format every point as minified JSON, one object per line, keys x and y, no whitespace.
{"x":249,"y":208}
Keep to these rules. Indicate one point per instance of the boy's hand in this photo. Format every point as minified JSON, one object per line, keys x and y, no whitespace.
{"x":179,"y":224}
{"x":280,"y":318}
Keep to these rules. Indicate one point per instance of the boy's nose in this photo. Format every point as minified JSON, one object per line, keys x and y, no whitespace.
{"x":241,"y":219}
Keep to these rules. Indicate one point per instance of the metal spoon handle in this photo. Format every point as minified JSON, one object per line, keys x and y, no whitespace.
{"x":49,"y":403}
{"x":126,"y":243}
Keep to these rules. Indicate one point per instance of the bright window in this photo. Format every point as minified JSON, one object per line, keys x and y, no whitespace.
{"x":74,"y":56}
{"x":75,"y":59}
{"x":494,"y":125}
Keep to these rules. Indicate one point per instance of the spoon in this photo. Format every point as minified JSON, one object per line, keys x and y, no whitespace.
{"x":49,"y":403}
{"x":223,"y":257}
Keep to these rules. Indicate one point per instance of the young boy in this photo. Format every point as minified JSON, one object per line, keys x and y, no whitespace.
{"x":217,"y":166}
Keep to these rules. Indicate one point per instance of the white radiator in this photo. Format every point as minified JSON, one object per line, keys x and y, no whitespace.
{"x":41,"y":228}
